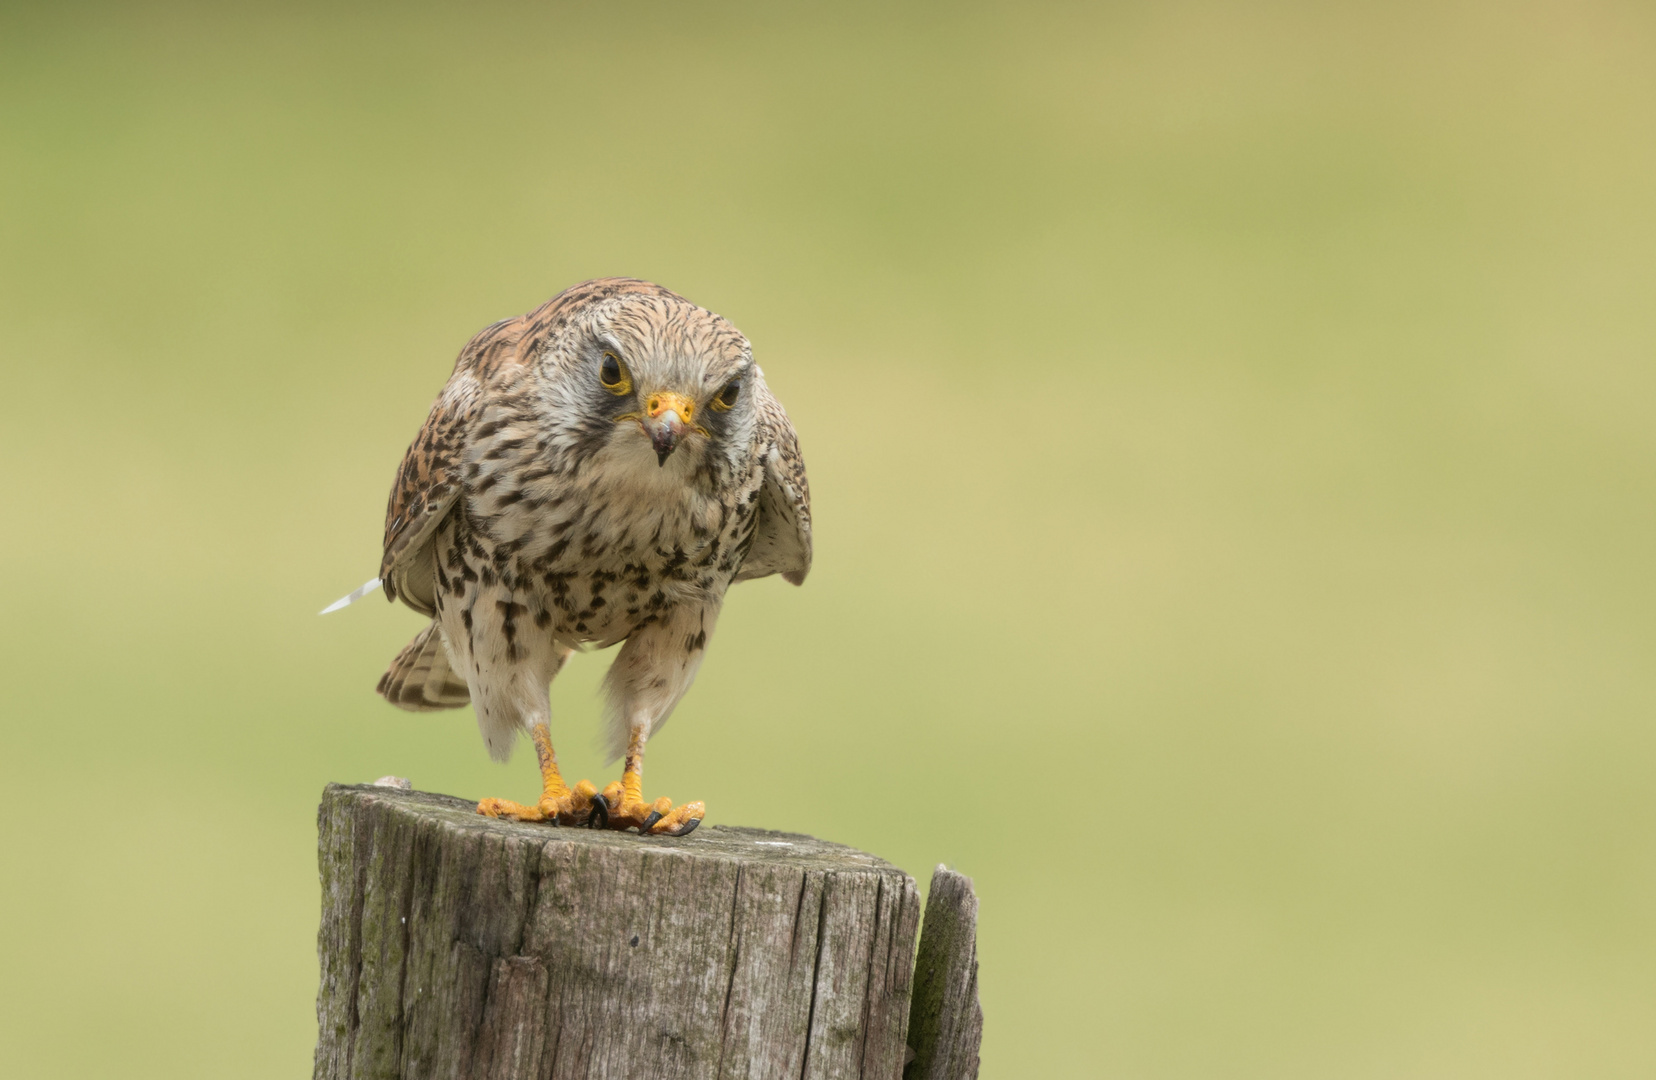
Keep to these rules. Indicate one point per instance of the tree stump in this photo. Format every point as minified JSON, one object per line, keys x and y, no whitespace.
{"x":454,"y":945}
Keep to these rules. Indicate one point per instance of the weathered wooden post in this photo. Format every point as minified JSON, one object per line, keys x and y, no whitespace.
{"x":454,"y":945}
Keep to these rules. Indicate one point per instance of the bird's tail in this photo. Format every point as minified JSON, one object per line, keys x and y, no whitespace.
{"x":420,"y":679}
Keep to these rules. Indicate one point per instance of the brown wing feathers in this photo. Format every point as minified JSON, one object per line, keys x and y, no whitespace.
{"x":420,"y":679}
{"x":782,"y":536}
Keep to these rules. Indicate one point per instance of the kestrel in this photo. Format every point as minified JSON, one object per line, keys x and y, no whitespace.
{"x":597,"y":471}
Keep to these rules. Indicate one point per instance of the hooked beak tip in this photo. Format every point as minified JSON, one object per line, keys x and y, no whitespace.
{"x":665,"y":441}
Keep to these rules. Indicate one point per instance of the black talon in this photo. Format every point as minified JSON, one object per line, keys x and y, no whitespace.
{"x":687,"y":828}
{"x":644,"y":829}
{"x":599,"y":818}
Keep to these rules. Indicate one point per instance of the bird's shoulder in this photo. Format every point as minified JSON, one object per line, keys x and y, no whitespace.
{"x":787,"y":463}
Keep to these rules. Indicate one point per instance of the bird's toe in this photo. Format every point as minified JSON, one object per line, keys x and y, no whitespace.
{"x":680,"y":821}
{"x":598,"y":817}
{"x":498,"y":808}
{"x":579,"y":804}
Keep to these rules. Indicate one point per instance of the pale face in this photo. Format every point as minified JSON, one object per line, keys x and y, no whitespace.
{"x":659,"y":387}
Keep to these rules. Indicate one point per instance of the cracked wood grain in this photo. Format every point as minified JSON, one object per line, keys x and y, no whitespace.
{"x":453,"y":945}
{"x":945,"y":1024}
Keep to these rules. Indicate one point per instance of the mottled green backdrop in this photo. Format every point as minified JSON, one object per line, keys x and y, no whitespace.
{"x":1231,"y":437}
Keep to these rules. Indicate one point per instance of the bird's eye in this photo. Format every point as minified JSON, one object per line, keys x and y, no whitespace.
{"x":727,"y":397}
{"x":612,"y":375}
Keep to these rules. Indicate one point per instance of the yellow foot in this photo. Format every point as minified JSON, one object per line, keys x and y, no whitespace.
{"x":575,"y":806}
{"x":660,"y":818}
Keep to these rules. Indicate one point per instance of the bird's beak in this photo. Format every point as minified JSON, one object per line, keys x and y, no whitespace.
{"x":666,"y":416}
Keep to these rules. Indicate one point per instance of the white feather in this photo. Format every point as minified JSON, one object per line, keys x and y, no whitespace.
{"x":352,"y":596}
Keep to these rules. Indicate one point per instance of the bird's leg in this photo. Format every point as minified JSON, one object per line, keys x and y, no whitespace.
{"x":559,"y":804}
{"x":650,"y":674}
{"x":625,"y":797}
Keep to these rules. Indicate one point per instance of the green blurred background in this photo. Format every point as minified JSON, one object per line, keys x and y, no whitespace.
{"x":1231,"y":439}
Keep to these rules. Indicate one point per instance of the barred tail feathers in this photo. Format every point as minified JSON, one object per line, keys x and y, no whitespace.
{"x":420,"y":679}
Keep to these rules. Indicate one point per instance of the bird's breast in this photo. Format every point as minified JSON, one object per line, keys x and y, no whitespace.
{"x":596,"y":564}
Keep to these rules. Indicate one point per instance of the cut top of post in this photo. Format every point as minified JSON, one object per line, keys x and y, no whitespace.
{"x":728,"y":842}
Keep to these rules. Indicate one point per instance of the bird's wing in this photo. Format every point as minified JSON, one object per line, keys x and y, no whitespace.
{"x":782,"y":534}
{"x":429,"y":481}
{"x":427,"y":486}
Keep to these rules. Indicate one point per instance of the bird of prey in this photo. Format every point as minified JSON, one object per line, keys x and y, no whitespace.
{"x":597,"y":471}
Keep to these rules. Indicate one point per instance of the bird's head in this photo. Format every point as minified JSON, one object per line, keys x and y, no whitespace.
{"x":653,"y":382}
